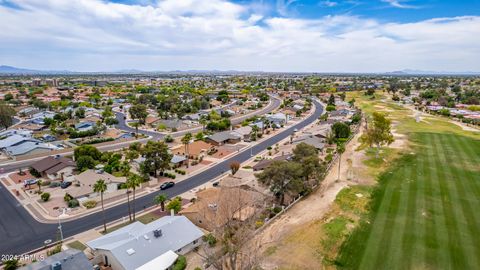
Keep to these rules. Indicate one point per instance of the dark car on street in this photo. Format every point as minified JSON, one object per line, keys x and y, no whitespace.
{"x":65,"y":184}
{"x":167,"y":185}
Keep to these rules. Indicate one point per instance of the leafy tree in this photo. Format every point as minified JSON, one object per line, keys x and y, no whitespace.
{"x":111,"y":121}
{"x":341,"y":130}
{"x":80,"y":113}
{"x":85,"y":162}
{"x":379,"y":133}
{"x":87,"y":150}
{"x":6,"y":115}
{"x":175,"y":204}
{"x":107,"y":112}
{"x":331,"y":100}
{"x":139,"y":112}
{"x":234,"y":167}
{"x":157,"y":157}
{"x":307,"y":156}
{"x":100,"y":187}
{"x":160,"y":199}
{"x":282,"y":177}
{"x":131,"y":155}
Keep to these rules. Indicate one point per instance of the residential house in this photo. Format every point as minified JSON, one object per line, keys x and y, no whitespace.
{"x":221,"y":138}
{"x":214,"y":207}
{"x":21,"y":132}
{"x":278,"y":119}
{"x":244,"y":132}
{"x":87,"y":180}
{"x":84,"y":126}
{"x":196,"y":149}
{"x":29,"y":148}
{"x":177,"y":160}
{"x":264,"y":163}
{"x":55,"y":167}
{"x":316,"y":141}
{"x":143,"y":246}
{"x":70,"y":259}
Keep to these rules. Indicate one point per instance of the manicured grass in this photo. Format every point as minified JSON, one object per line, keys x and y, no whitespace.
{"x":423,"y":209}
{"x":77,"y":245}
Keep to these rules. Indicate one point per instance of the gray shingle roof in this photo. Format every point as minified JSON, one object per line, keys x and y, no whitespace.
{"x":177,"y":232}
{"x":71,"y":259}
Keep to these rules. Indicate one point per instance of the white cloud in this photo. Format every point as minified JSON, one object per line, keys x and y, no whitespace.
{"x":399,"y":4}
{"x":328,"y":3}
{"x":216,"y":34}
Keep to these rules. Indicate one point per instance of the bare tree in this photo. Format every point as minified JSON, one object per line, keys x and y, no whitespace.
{"x":233,"y":225}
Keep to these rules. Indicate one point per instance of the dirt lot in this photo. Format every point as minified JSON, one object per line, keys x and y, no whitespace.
{"x":292,"y":240}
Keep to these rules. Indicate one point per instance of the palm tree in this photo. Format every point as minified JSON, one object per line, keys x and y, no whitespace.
{"x":100,"y":186}
{"x":203,"y":121}
{"x":126,"y":172}
{"x":254,"y":132}
{"x":340,"y":150}
{"x":39,"y":183}
{"x":186,"y":141}
{"x":160,"y":199}
{"x":133,"y":182}
{"x":136,"y":125}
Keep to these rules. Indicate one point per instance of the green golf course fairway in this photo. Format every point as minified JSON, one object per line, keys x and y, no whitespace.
{"x":425,"y":210}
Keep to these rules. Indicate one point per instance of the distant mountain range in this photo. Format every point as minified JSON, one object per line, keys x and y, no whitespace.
{"x":9,"y":70}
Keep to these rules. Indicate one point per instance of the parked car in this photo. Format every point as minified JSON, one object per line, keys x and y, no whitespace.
{"x":167,"y":185}
{"x":29,"y":182}
{"x":65,"y":184}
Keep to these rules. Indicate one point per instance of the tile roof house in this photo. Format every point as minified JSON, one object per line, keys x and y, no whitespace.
{"x":262,"y":164}
{"x":70,"y":259}
{"x":88,"y":178}
{"x":220,"y":138}
{"x":214,"y":207}
{"x":54,"y":167}
{"x":315,"y":141}
{"x":138,"y":245}
{"x":195,"y":149}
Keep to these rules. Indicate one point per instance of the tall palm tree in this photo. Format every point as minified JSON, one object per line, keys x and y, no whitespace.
{"x":186,"y":141}
{"x":254,"y":132}
{"x":126,"y":172}
{"x":39,"y":183}
{"x":136,"y":125}
{"x":133,"y":182}
{"x":203,"y":121}
{"x":100,"y":187}
{"x":160,"y":199}
{"x":340,"y":150}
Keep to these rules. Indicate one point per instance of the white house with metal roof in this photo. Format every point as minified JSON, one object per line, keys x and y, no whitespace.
{"x":138,"y":246}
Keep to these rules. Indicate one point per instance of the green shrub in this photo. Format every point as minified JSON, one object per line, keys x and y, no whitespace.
{"x":73,"y":203}
{"x":180,"y":264}
{"x":46,"y":183}
{"x":67,"y":197}
{"x":55,"y":250}
{"x":90,"y":204}
{"x":210,"y":239}
{"x":45,"y":196}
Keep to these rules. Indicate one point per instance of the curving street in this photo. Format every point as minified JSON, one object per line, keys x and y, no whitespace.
{"x":20,"y":233}
{"x":234,"y":120}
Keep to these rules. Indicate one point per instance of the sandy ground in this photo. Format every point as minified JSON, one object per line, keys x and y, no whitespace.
{"x":316,"y":205}
{"x":465,"y":127}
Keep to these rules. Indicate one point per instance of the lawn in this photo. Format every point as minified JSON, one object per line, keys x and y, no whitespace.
{"x":422,"y":212}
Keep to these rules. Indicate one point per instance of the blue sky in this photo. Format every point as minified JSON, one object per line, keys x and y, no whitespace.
{"x":269,"y":35}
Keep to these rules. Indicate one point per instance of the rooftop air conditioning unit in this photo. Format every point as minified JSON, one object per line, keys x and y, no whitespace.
{"x":56,"y":266}
{"x":157,"y":233}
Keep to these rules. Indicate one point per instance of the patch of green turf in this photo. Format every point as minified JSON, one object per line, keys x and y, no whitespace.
{"x":422,"y":212}
{"x":77,"y":245}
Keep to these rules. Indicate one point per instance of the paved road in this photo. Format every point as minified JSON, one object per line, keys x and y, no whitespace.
{"x":19,"y":232}
{"x":15,"y":165}
{"x":235,"y":120}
